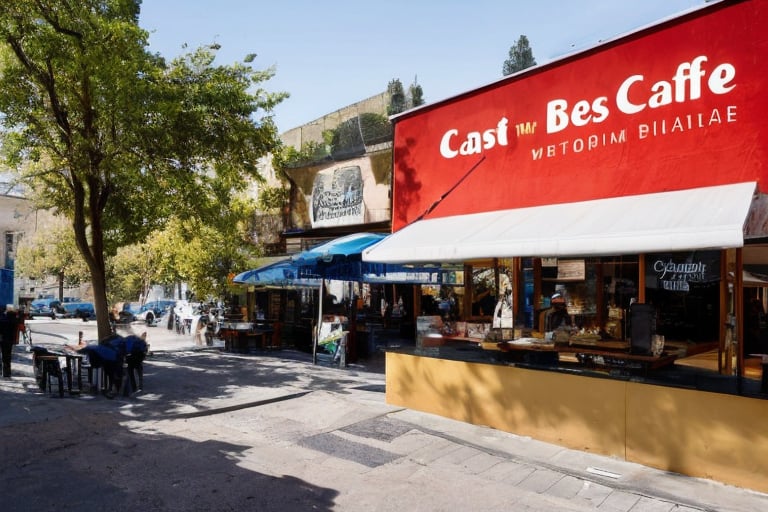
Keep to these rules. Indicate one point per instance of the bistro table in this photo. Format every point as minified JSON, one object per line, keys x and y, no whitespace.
{"x":47,"y":366}
{"x":243,"y":336}
{"x":267,"y":334}
{"x":74,"y":367}
{"x":235,"y":334}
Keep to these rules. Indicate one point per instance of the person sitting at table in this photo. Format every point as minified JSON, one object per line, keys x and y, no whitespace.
{"x":108,"y":354}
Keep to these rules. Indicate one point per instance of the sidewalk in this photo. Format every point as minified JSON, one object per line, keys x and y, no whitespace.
{"x":324,"y":428}
{"x":159,"y":337}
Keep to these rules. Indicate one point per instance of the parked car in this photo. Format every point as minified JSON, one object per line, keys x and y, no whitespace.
{"x":129,"y":312}
{"x":84,"y":310}
{"x":153,"y":310}
{"x":43,"y":307}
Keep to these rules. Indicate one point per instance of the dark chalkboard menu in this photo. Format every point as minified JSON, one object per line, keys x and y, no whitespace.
{"x":685,"y":289}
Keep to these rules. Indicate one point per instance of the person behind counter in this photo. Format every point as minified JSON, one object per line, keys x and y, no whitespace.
{"x":558,"y":316}
{"x":484,"y":302}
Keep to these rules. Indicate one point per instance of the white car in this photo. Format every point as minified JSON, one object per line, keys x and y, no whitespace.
{"x":152,"y":311}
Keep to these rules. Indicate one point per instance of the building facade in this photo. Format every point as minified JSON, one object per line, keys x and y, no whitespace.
{"x":16,"y":218}
{"x":626,"y":182}
{"x":339,"y":184}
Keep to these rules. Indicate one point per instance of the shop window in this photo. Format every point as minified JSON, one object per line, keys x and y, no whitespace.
{"x":528,"y":296}
{"x":672,"y":337}
{"x":576,"y":281}
{"x":620,"y":288}
{"x":685,"y":288}
{"x":484,"y":288}
{"x":446,"y":301}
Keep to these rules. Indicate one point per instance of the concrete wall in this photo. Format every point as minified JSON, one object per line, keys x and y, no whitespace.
{"x":716,"y":436}
{"x":313,"y":131}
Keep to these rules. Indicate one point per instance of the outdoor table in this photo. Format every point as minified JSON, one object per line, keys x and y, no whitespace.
{"x":260,"y":335}
{"x":73,"y":366}
{"x":48,"y":366}
{"x":235,"y":335}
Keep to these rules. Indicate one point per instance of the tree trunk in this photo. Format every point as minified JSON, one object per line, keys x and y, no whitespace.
{"x":92,"y":247}
{"x":98,"y":281}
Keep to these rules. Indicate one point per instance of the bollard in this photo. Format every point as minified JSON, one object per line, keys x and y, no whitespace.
{"x":343,"y":351}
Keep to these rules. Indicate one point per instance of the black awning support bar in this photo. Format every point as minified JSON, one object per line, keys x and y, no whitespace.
{"x":447,"y":192}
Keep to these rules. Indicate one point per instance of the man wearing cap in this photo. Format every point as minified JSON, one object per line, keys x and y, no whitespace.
{"x":9,"y":332}
{"x":559,"y":316}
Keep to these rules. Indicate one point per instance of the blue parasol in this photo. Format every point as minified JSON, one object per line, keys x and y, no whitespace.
{"x":282,"y":273}
{"x":341,"y":259}
{"x":345,"y":248}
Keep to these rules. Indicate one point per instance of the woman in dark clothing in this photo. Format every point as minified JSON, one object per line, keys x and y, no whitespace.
{"x":9,"y":331}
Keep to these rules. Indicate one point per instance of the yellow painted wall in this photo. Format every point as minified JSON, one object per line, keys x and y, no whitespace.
{"x":710,"y":435}
{"x":721,"y":437}
{"x":585,"y":414}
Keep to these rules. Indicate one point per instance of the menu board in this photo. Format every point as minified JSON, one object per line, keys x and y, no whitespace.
{"x":571,"y":270}
{"x":679,"y":272}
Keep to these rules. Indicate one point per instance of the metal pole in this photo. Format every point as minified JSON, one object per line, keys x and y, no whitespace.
{"x":316,"y":331}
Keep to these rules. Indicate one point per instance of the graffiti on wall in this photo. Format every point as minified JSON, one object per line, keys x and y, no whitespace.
{"x":337,"y":197}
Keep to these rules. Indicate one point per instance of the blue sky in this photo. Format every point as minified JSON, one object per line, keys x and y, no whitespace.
{"x":331,"y":54}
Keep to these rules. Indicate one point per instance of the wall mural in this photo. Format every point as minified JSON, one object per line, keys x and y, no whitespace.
{"x":337,"y":197}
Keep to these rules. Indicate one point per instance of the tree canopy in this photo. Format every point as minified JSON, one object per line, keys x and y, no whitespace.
{"x":520,"y":57}
{"x":399,"y":101}
{"x":51,"y":250}
{"x":117,"y":139}
{"x":417,"y":94}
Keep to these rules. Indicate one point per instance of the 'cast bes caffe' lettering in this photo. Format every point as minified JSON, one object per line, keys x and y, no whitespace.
{"x":686,"y":85}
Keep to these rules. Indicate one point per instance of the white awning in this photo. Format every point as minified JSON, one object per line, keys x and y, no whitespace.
{"x":701,"y":218}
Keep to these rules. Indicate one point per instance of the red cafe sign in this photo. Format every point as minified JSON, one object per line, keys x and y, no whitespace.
{"x":676,"y":106}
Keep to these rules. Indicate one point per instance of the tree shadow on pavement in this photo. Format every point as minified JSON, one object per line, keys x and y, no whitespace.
{"x":178,"y":384}
{"x":79,"y":452}
{"x":91,"y":462}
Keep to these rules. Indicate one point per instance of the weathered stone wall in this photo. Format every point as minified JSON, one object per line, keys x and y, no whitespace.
{"x":313,"y":131}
